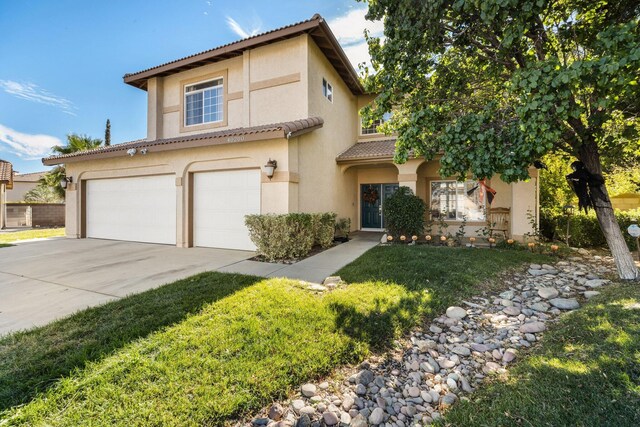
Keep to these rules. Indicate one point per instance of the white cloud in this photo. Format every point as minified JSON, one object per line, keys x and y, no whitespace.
{"x":34,"y":93}
{"x":27,"y":146}
{"x":349,"y":30}
{"x":243,"y":32}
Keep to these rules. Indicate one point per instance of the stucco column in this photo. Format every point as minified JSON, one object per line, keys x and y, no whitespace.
{"x":246,"y":88}
{"x":523,"y":205}
{"x":3,"y":206}
{"x":408,"y":174}
{"x":155,"y":90}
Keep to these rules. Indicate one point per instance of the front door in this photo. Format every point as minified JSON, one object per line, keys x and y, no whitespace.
{"x":372,"y":197}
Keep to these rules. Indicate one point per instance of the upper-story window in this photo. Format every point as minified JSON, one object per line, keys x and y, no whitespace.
{"x":327,"y":90}
{"x":203,"y":102}
{"x":373,"y":129}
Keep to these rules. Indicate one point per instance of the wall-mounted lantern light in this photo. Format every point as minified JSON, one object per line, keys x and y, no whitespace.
{"x":66,"y":181}
{"x":270,"y":168}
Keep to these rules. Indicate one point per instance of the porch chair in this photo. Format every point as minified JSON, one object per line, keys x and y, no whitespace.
{"x":499,"y":221}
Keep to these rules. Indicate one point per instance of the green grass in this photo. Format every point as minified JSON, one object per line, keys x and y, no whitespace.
{"x":4,"y":245}
{"x":451,"y":274}
{"x":586,"y":372}
{"x":35,"y":233}
{"x":229,"y":353}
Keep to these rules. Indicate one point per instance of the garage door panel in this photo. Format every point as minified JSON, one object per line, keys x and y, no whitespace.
{"x":140,"y":209}
{"x":221,"y":201}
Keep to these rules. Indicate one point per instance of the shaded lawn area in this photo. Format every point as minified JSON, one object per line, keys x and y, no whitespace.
{"x":34,"y":233}
{"x":451,"y":274}
{"x":4,"y":245}
{"x":585,"y":373}
{"x":31,"y":361}
{"x":227,"y":353}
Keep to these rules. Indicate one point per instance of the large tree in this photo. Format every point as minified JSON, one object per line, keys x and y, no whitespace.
{"x":75,"y":143}
{"x":494,"y":85}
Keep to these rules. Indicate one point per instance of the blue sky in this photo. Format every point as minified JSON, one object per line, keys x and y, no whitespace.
{"x":62,"y":62}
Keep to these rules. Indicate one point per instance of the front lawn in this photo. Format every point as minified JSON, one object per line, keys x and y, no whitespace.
{"x":34,"y":233}
{"x":232,"y":352}
{"x":585,"y":373}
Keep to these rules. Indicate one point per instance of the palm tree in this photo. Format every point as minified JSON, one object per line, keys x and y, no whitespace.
{"x":75,"y":143}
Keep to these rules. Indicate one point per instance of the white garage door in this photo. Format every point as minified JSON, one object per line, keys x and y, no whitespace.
{"x":220,"y":202}
{"x":140,"y":209}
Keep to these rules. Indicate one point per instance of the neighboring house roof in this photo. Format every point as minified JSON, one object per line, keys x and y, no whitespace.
{"x":6,"y":172}
{"x":316,"y":27}
{"x":230,"y":136}
{"x":368,"y":150}
{"x":28,"y":177}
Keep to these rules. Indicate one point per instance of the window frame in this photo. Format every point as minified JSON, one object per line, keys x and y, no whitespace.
{"x":376,"y":123}
{"x":327,"y":90}
{"x":184,"y":84}
{"x":186,"y":104}
{"x":455,"y":198}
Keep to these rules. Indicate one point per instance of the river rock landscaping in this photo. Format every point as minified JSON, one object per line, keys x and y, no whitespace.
{"x":447,"y":358}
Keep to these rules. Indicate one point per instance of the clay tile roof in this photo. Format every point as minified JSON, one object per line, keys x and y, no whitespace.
{"x":229,"y":136}
{"x":28,"y":177}
{"x":6,"y":172}
{"x":316,"y":27}
{"x":383,"y":149}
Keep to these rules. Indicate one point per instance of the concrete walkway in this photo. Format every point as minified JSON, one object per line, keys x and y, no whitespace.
{"x":313,"y":269}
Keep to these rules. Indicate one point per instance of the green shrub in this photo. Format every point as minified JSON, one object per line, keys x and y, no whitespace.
{"x":324,"y":228}
{"x":404,"y":213}
{"x":584,"y":229}
{"x":343,"y":227}
{"x":290,"y":236}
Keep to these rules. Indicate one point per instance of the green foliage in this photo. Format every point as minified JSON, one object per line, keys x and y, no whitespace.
{"x":323,"y":228}
{"x":496,"y":85}
{"x":554,"y":189}
{"x":281,"y":237}
{"x":583,"y":373}
{"x":404,"y":213}
{"x":75,"y":143}
{"x":584,"y":230}
{"x":34,"y":233}
{"x":43,"y":193}
{"x":290,"y":236}
{"x":491,"y":86}
{"x":343,"y":227}
{"x":107,"y":133}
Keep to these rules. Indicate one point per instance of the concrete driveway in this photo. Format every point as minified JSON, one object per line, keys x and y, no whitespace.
{"x":46,"y":280}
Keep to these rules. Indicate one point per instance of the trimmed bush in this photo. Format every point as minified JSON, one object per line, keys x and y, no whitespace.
{"x":404,"y":213}
{"x":584,"y":230}
{"x":324,"y":228}
{"x":290,"y":236}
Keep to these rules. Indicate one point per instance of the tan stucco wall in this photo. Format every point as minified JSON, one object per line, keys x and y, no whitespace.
{"x":275,"y":193}
{"x":323,"y":185}
{"x":20,"y":188}
{"x":265,"y":85}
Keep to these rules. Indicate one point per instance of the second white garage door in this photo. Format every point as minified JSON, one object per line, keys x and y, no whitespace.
{"x":220,"y":202}
{"x":140,"y":209}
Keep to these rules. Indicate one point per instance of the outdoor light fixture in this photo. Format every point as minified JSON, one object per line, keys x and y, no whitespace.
{"x":66,"y":181}
{"x":270,"y":168}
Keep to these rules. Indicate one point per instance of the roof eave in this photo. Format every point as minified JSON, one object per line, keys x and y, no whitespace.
{"x":139,"y":79}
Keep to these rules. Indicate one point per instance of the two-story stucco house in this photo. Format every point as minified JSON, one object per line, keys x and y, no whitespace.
{"x":216,"y":118}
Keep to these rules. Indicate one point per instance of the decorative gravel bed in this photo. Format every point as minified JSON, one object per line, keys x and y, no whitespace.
{"x":449,"y":357}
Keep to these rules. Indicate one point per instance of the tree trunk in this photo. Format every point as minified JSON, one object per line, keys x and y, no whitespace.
{"x":627,"y":270}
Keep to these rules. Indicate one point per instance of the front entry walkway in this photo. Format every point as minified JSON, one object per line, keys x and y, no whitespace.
{"x":46,"y":280}
{"x":313,"y":269}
